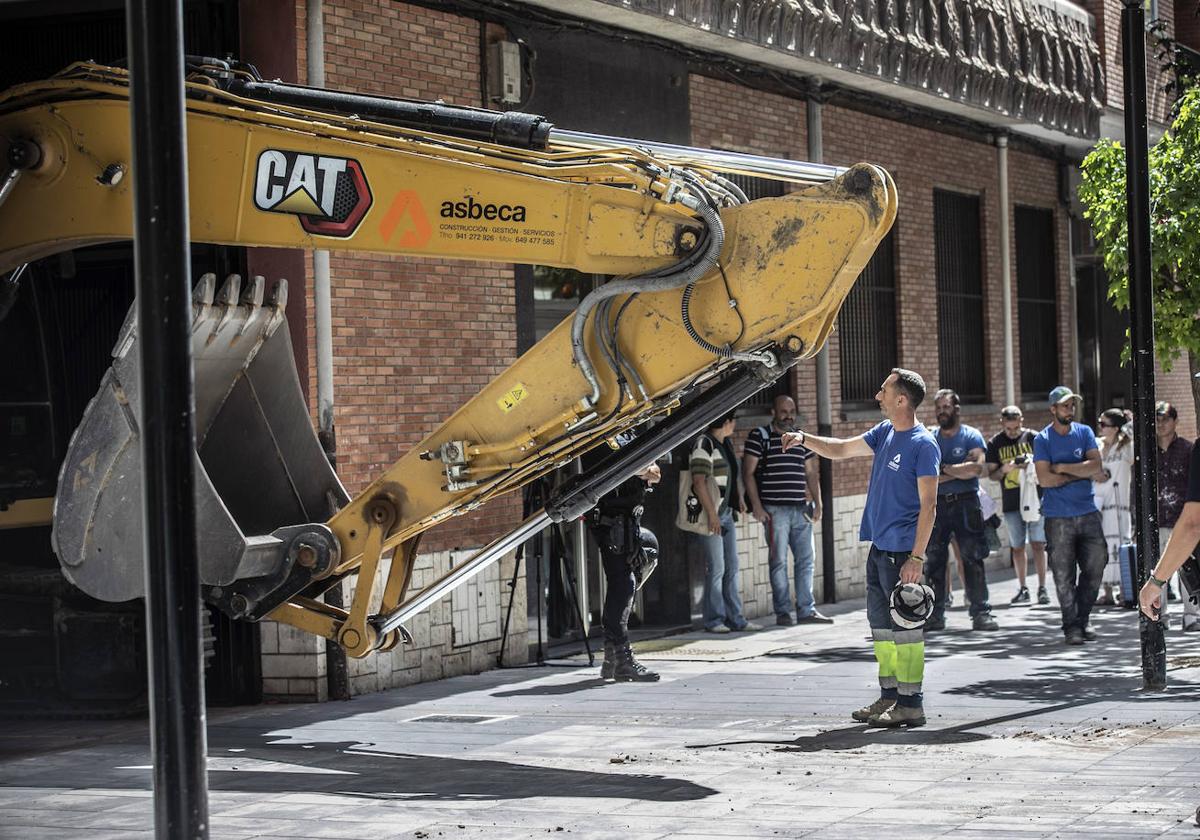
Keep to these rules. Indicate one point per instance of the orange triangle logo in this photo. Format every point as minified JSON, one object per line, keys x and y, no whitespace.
{"x":417,"y":232}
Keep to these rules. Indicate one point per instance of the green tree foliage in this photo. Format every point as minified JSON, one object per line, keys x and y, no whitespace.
{"x":1174,"y":228}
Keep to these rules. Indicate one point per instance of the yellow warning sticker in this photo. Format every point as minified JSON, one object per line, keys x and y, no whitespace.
{"x":513,"y":398}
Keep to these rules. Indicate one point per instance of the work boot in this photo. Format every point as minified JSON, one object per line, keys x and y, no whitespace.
{"x":610,"y":661}
{"x":1022,"y":596}
{"x":629,"y":669}
{"x":1043,"y":595}
{"x":880,"y":706}
{"x":935,"y":624}
{"x":899,"y":715}
{"x":1089,"y":635}
{"x":1074,"y":636}
{"x":984,"y":621}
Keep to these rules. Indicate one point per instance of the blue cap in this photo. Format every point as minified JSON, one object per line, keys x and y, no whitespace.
{"x":1061,"y":394}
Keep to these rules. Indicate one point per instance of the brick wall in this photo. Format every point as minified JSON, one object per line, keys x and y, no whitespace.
{"x":1107,"y":14}
{"x":1187,"y":23}
{"x":414,"y":339}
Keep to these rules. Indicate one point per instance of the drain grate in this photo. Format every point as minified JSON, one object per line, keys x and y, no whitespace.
{"x":457,"y":718}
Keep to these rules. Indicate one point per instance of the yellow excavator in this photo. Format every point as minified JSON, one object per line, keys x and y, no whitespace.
{"x":711,"y":294}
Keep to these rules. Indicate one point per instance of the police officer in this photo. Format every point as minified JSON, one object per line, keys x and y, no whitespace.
{"x":628,"y":553}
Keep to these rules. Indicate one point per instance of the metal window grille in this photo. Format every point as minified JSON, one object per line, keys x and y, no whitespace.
{"x":1037,"y":299}
{"x":960,"y":295}
{"x":867,"y":328}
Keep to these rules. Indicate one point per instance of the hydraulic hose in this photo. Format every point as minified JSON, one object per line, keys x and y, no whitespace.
{"x":645,"y":283}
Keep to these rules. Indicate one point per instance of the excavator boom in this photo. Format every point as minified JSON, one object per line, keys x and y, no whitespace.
{"x":712,"y":292}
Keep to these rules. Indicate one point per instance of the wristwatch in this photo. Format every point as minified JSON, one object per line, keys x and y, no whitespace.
{"x":1161,"y":584}
{"x":803,"y":437}
{"x":917,"y":557}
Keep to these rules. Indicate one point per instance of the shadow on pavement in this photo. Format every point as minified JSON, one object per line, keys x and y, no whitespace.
{"x":554,"y":689}
{"x":355,"y":769}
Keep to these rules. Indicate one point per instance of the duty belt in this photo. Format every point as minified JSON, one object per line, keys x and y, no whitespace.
{"x":957,"y":497}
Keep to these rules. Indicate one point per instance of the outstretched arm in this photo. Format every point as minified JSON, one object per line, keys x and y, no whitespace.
{"x":833,"y":448}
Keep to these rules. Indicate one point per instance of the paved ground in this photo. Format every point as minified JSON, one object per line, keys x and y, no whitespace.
{"x":746,"y":736}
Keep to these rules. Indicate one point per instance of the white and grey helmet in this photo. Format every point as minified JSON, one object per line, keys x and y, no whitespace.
{"x":911,"y":605}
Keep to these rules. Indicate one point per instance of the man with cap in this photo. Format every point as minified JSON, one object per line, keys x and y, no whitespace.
{"x":1008,"y":453}
{"x":1174,"y":456}
{"x":1066,"y":457}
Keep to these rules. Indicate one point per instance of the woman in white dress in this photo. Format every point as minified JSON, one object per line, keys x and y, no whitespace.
{"x":1112,"y":490}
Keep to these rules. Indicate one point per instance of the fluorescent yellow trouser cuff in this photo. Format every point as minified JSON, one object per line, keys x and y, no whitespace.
{"x":885,"y":655}
{"x":910,"y":660}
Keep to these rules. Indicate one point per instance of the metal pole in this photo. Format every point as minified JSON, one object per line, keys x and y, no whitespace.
{"x":1141,"y":329}
{"x":337,"y":672}
{"x":816,"y":154}
{"x":580,"y":554}
{"x":1010,"y":388}
{"x":161,"y":264}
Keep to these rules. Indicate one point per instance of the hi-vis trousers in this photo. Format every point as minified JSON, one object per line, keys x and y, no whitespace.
{"x":899,"y":652}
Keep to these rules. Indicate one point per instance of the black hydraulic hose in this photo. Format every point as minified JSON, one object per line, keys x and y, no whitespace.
{"x":506,"y":128}
{"x":580,"y":493}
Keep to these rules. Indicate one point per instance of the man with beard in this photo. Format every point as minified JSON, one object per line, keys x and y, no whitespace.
{"x":958,"y":515}
{"x":787,"y":504}
{"x":1066,"y":457}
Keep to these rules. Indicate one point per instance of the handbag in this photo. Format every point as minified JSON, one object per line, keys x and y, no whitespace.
{"x":690,"y":514}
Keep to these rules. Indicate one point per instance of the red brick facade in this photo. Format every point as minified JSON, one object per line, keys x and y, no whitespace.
{"x":413,"y":338}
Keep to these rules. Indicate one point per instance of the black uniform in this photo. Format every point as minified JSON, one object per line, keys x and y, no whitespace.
{"x":615,"y":524}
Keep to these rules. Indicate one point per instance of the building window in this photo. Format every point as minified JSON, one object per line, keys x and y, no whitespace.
{"x":867,"y":328}
{"x":960,"y":295}
{"x":1037,"y":300}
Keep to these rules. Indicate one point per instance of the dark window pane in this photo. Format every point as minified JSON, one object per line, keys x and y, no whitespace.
{"x":867,"y":327}
{"x":1037,"y":299}
{"x":960,"y":295}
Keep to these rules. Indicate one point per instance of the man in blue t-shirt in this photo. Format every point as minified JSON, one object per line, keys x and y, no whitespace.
{"x":1066,"y":457}
{"x":897,"y":521}
{"x":958,"y":514}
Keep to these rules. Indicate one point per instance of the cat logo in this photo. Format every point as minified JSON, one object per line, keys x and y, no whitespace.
{"x":329,"y":194}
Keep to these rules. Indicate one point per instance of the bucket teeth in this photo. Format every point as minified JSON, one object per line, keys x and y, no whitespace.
{"x":259,"y":466}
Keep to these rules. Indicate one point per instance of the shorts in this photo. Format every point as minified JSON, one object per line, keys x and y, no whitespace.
{"x":1021,"y":532}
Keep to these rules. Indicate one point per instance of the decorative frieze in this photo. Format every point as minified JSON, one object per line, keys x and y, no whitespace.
{"x":1027,"y":60}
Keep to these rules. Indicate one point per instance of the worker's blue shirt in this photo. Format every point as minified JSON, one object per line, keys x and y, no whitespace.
{"x":893,"y":501}
{"x":954,"y":450}
{"x":1075,"y":497}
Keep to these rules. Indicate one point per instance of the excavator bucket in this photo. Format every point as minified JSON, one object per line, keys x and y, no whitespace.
{"x":259,"y":468}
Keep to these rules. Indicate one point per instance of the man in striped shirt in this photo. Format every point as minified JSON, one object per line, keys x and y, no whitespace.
{"x":782,"y":498}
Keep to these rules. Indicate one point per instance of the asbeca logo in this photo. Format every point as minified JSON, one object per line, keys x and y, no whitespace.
{"x":329,"y":195}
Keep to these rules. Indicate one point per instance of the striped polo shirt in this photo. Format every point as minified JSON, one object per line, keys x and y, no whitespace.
{"x":782,"y":478}
{"x":711,"y":458}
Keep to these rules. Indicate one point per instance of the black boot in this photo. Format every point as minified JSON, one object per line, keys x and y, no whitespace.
{"x":629,"y":669}
{"x":610,"y":661}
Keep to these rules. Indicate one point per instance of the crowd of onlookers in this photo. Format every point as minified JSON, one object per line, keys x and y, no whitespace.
{"x":1087,"y":519}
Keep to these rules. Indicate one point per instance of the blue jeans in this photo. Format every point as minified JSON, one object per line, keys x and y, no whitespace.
{"x":1077,"y":552}
{"x":958,"y":517}
{"x":722,"y":603}
{"x":789,"y":527}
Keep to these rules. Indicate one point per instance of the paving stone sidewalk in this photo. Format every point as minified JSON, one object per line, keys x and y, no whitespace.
{"x":746,"y":736}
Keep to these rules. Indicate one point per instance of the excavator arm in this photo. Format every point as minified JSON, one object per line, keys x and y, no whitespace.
{"x":712,"y":292}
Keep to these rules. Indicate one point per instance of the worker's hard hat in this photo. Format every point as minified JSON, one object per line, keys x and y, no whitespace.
{"x":911,"y":605}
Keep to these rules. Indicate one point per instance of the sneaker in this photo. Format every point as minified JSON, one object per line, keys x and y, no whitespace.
{"x":984,"y":621}
{"x":899,"y":715}
{"x":949,"y":600}
{"x":1022,"y":596}
{"x":720,"y":628}
{"x":748,"y":627}
{"x":1043,"y":596}
{"x":880,"y":706}
{"x":934,"y":624}
{"x":1074,"y":636}
{"x":815,"y":618}
{"x":1191,"y":627}
{"x":1089,"y":635}
{"x":785,"y":620}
